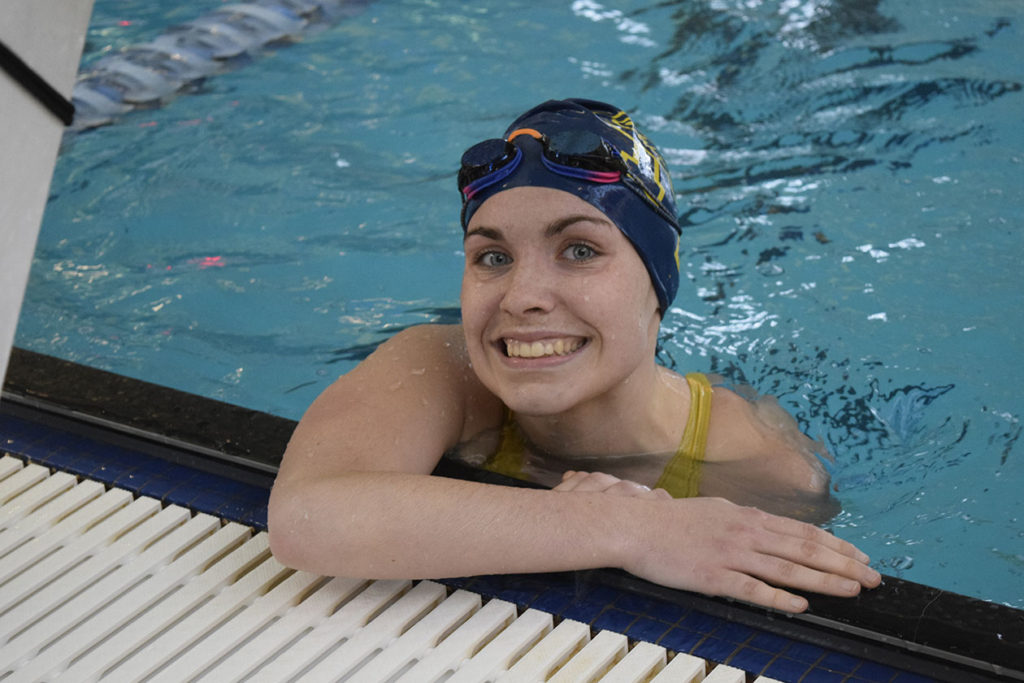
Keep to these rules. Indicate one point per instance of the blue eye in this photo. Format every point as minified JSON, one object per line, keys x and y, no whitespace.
{"x":579,"y":252}
{"x":494,"y":259}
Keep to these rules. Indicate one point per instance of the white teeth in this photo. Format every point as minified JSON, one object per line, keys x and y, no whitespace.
{"x":539,"y":349}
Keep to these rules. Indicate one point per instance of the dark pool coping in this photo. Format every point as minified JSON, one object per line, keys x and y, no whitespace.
{"x":912,"y":627}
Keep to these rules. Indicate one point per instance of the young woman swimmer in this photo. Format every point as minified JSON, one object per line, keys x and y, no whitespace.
{"x":571,"y":244}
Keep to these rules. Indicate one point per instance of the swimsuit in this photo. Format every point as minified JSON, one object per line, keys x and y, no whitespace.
{"x":681,"y":477}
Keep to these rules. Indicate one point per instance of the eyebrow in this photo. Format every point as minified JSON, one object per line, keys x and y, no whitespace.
{"x":561,"y":224}
{"x":485,"y":232}
{"x":554,"y":228}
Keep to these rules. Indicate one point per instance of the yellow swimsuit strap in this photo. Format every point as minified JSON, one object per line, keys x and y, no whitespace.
{"x":508,"y":459}
{"x":681,"y":477}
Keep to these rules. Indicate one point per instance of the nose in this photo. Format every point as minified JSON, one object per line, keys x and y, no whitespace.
{"x":531,"y":288}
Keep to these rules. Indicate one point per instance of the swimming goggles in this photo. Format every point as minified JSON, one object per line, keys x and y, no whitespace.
{"x":574,"y":154}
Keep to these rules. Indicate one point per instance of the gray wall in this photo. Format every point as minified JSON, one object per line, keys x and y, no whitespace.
{"x":48,"y":35}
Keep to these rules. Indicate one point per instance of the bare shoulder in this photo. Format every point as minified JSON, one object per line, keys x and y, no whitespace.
{"x":441,"y":346}
{"x":398,"y":410}
{"x":744,"y":422}
{"x":420,"y":357}
{"x":759,"y":431}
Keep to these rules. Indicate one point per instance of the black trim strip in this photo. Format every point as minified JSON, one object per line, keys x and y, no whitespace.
{"x":924,"y":629}
{"x":210,"y":429}
{"x":36,"y":85}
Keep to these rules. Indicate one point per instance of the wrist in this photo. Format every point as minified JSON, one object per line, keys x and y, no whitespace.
{"x":625,"y":535}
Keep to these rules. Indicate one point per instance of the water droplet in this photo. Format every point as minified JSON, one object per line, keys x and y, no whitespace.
{"x":901,"y":563}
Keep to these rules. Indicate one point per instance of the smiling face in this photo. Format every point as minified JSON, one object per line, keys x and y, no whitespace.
{"x":557,"y":307}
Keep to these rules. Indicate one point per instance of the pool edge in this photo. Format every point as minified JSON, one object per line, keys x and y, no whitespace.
{"x":952,"y":637}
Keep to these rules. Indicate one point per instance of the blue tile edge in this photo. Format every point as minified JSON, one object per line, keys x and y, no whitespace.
{"x":142,"y":474}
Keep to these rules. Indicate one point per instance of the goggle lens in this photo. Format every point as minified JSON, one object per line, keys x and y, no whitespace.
{"x":583,"y":150}
{"x":484,"y":158}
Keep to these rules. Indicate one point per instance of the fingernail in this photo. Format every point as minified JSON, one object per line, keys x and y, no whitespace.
{"x":798,"y":604}
{"x":863,"y":557}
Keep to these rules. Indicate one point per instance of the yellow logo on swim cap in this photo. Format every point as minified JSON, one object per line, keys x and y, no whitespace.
{"x":641,"y":157}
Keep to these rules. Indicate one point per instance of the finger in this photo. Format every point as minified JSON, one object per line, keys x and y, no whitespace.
{"x":810,"y":546}
{"x":595,"y":481}
{"x":570,"y":480}
{"x":792,"y":527}
{"x":631,"y":488}
{"x":794,"y":575}
{"x":834,"y":572}
{"x":750,"y":589}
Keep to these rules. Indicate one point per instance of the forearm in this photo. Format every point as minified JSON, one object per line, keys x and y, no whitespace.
{"x":395,"y":525}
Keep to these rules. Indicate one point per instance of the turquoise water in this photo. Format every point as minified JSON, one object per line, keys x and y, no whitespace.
{"x":849,"y":177}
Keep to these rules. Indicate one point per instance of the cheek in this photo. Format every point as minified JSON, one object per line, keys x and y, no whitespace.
{"x":476,"y":308}
{"x":626,"y":318}
{"x":631,"y":293}
{"x":468,"y":310}
{"x":638,"y":317}
{"x":469,"y":293}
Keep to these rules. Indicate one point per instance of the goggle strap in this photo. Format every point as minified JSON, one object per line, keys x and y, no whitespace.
{"x":581,"y":173}
{"x":533,"y":133}
{"x":491,"y":178}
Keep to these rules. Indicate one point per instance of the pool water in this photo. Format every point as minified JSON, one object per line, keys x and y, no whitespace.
{"x":849,"y":179}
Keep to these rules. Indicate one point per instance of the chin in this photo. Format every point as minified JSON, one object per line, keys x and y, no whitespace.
{"x":538,"y":399}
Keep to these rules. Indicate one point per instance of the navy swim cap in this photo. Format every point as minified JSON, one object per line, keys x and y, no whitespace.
{"x":641,"y":203}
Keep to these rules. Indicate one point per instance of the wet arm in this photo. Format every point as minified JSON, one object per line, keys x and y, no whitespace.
{"x":395,"y":525}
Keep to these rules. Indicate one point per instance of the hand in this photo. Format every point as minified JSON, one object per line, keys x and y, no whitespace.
{"x":605,"y":483}
{"x":712,"y":546}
